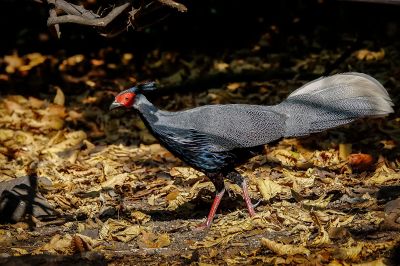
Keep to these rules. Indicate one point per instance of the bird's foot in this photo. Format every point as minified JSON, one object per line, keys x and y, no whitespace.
{"x":201,"y":227}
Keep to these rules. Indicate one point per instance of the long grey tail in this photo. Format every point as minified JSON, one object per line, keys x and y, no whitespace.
{"x":333,"y":101}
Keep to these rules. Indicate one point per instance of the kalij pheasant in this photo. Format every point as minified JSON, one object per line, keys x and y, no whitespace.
{"x":216,"y":138}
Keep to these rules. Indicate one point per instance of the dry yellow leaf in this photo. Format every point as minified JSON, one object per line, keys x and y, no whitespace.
{"x":319,"y":203}
{"x":377,"y":262}
{"x":6,"y":134}
{"x":151,"y":240}
{"x":13,"y":62}
{"x":367,"y":55}
{"x":112,"y":181}
{"x":59,"y":98}
{"x":19,"y":251}
{"x":233,"y":86}
{"x":351,"y":250}
{"x":185,"y":172}
{"x":323,"y":236}
{"x":140,"y":217}
{"x":268,"y":188}
{"x":172,"y":195}
{"x":120,"y":230}
{"x":285,"y":157}
{"x":221,"y":66}
{"x":35,"y":103}
{"x":382,"y":175}
{"x":57,"y":245}
{"x":282,"y":249}
{"x":326,"y":159}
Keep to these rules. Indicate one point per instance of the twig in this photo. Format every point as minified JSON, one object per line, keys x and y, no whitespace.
{"x":97,"y":22}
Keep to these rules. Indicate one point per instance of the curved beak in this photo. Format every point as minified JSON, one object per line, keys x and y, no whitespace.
{"x":115,"y":105}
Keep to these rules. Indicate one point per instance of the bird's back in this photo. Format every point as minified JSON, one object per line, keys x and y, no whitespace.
{"x":227,"y":127}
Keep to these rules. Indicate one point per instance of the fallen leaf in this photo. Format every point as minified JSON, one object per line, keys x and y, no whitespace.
{"x":119,"y":230}
{"x":367,"y":55}
{"x":59,"y":98}
{"x":268,"y":188}
{"x":351,"y":250}
{"x":140,"y":217}
{"x":151,"y":240}
{"x":320,"y":203}
{"x":377,"y":262}
{"x":57,"y":245}
{"x":19,"y":251}
{"x":282,"y":249}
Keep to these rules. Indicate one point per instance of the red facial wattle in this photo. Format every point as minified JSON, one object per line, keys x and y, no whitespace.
{"x":126,"y":99}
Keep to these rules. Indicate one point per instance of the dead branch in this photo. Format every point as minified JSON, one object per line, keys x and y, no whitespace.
{"x":79,"y":15}
{"x":81,"y":19}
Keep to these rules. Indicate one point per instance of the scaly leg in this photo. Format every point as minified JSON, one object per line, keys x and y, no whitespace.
{"x":238,"y":179}
{"x":218,"y":182}
{"x":247,"y":199}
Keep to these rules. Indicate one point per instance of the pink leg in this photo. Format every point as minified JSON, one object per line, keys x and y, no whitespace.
{"x":247,"y":199}
{"x":213,"y":210}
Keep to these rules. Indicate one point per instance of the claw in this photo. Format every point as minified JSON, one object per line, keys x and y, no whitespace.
{"x":201,"y":227}
{"x":257,"y":203}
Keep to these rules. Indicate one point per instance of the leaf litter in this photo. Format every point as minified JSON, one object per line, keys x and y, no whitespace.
{"x":133,"y":183}
{"x":318,"y":196}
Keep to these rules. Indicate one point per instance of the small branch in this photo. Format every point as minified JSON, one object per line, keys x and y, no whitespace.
{"x":56,"y":27}
{"x":173,"y":4}
{"x":97,"y":22}
{"x":72,"y":9}
{"x":79,"y":15}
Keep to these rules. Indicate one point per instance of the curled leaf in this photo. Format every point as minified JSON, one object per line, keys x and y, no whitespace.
{"x":283,"y":249}
{"x":268,"y":188}
{"x":59,"y":98}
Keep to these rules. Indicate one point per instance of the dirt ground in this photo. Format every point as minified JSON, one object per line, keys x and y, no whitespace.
{"x":82,"y":185}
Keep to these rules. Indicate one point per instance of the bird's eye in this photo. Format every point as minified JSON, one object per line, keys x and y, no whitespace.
{"x":126,"y":98}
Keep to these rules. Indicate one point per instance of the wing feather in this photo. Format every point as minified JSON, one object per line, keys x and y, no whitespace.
{"x":228,"y":127}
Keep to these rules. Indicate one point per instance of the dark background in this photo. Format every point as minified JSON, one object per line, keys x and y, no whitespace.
{"x":209,"y":26}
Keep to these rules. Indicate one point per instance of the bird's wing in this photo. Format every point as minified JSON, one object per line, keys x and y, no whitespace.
{"x":226,"y":127}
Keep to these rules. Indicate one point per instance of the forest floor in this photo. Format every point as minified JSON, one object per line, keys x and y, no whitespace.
{"x":87,"y":186}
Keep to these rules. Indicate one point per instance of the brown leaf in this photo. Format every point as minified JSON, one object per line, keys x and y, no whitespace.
{"x":282,"y":249}
{"x":79,"y":245}
{"x":151,"y":240}
{"x":58,"y":244}
{"x":351,"y":250}
{"x":172,"y":195}
{"x":140,"y":217}
{"x":119,"y":230}
{"x":392,"y":215}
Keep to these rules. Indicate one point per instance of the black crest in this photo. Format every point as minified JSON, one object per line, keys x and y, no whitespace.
{"x":146,"y":86}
